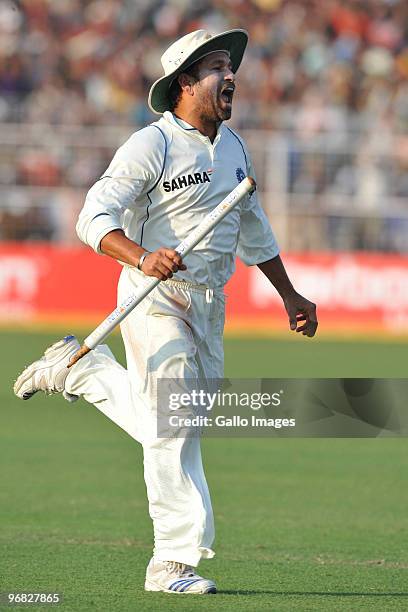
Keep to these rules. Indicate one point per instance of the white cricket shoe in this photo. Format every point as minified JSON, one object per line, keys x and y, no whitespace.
{"x":48,"y":374}
{"x":173,"y":577}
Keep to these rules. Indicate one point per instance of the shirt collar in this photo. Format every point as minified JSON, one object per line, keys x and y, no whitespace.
{"x":180,"y":123}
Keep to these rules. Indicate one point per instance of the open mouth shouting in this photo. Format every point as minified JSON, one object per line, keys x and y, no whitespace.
{"x":227,"y":94}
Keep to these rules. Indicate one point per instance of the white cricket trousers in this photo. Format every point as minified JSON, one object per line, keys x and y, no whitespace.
{"x":176,"y":332}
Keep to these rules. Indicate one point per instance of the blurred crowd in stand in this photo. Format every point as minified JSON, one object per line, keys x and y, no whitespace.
{"x":331,"y":68}
{"x":335,"y":62}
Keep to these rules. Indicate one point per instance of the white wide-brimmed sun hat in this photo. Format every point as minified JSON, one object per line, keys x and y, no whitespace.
{"x":188,"y":50}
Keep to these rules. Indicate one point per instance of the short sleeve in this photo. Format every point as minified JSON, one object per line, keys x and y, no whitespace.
{"x":256,"y":242}
{"x":133,"y":172}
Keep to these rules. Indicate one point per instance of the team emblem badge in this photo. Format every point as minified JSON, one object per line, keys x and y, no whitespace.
{"x":240,"y":174}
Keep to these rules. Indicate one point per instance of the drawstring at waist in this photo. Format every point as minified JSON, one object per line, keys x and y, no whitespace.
{"x":209,"y":293}
{"x":183,"y":284}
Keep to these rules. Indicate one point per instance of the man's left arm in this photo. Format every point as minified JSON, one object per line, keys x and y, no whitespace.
{"x":301,"y":312}
{"x":256,"y":244}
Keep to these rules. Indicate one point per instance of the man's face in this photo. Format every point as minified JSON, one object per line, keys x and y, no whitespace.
{"x":214,"y":91}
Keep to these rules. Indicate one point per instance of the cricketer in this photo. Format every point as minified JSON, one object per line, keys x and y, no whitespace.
{"x":160,"y":184}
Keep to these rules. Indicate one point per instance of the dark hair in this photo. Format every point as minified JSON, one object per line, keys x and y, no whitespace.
{"x":175,"y":90}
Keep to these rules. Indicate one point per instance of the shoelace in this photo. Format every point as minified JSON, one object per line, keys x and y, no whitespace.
{"x":181,"y":569}
{"x":49,"y":391}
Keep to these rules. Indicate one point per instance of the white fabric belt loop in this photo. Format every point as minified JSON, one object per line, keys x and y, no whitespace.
{"x":209,"y":294}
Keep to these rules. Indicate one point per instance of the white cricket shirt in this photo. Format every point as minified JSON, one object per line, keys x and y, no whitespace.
{"x":159,"y":186}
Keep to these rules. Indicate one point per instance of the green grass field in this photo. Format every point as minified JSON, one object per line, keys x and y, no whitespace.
{"x":302,"y":524}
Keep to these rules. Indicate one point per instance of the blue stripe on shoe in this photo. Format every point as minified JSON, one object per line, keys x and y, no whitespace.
{"x":174,"y":586}
{"x":190,"y":582}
